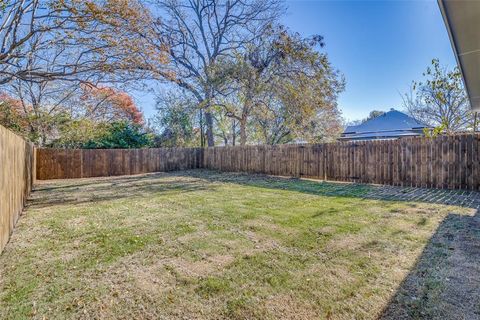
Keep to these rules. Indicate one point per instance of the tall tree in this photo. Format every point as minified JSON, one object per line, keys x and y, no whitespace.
{"x":43,"y":101}
{"x":12,"y":115}
{"x":276,"y":122}
{"x":245,"y":78}
{"x":197,"y":33}
{"x":107,"y":104}
{"x":49,"y":109}
{"x":44,"y":105}
{"x":282,"y":80}
{"x":85,"y":38}
{"x":440,"y":100}
{"x":176,"y":121}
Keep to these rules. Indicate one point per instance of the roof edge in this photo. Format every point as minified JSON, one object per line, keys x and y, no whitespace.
{"x":454,"y":45}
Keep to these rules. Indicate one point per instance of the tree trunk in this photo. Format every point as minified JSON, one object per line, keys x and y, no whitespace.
{"x":475,"y":122}
{"x":234,"y":134}
{"x":202,"y":139}
{"x":43,"y":138}
{"x":209,"y":122}
{"x":243,"y":132}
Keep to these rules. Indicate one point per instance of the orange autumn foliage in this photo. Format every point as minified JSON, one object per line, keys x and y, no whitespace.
{"x":12,"y":114}
{"x":110,"y":104}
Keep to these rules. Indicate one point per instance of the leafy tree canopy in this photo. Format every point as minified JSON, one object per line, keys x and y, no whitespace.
{"x":440,"y":100}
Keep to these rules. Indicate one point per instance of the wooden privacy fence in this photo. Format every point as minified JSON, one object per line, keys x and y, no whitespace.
{"x":78,"y":163}
{"x":16,"y":180}
{"x":443,"y":162}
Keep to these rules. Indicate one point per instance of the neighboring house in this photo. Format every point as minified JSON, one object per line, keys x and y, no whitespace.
{"x":391,"y":125}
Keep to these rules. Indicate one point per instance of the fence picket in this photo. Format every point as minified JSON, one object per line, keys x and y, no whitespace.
{"x":443,"y":162}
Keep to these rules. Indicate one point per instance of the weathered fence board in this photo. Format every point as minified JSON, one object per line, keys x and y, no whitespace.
{"x":441,"y":162}
{"x":16,"y":180}
{"x":75,"y":163}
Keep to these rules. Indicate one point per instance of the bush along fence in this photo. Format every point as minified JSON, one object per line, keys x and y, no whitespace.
{"x":16,"y":180}
{"x":451,"y":162}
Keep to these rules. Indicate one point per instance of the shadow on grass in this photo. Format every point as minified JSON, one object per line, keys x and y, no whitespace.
{"x":96,"y":190}
{"x":445,"y":281}
{"x":468,"y":199}
{"x":111,"y":188}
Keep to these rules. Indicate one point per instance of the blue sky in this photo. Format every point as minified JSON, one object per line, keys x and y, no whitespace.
{"x":379,"y":46}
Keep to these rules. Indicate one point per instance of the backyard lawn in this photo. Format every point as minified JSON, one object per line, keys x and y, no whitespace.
{"x":206,"y":245}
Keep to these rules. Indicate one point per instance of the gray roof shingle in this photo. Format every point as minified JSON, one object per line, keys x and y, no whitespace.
{"x":392,"y":124}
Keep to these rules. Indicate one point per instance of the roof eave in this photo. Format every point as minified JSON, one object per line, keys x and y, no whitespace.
{"x":468,"y":61}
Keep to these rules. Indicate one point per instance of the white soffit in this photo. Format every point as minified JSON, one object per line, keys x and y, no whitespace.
{"x":462,"y":18}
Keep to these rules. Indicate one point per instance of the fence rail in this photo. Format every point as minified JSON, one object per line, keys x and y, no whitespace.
{"x":16,"y":180}
{"x":443,"y":162}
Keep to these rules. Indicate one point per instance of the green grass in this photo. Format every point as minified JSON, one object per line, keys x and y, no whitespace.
{"x":206,"y":245}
